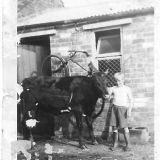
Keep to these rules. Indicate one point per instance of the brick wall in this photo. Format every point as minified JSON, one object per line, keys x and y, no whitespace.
{"x":69,"y":39}
{"x":138,"y":65}
{"x":138,"y":55}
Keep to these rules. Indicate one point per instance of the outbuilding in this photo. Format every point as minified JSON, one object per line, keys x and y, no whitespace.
{"x":116,"y":38}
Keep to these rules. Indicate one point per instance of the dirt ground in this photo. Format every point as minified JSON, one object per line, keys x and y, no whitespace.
{"x":64,"y":149}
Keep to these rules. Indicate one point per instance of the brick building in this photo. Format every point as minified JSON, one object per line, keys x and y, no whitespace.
{"x":119,"y":38}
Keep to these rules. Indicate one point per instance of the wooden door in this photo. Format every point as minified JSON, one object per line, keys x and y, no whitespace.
{"x":30,"y":58}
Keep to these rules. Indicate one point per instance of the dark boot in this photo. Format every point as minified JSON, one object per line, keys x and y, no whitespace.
{"x":115,"y":141}
{"x":127,"y":141}
{"x":109,"y":137}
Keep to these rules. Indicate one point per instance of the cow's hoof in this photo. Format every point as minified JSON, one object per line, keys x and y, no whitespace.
{"x":94,"y":142}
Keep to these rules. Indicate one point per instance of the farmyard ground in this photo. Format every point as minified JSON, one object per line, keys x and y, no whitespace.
{"x":64,"y":149}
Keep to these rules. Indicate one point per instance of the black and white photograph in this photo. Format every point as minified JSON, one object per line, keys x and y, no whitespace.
{"x":80,"y":80}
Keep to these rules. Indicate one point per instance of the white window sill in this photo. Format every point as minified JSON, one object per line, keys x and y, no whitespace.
{"x":108,"y":55}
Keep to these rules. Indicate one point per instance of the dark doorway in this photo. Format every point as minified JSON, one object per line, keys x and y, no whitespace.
{"x":31,"y":53}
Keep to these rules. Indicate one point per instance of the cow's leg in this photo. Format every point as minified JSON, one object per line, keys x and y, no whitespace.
{"x":79,"y":122}
{"x":26,"y":134}
{"x":31,"y":138}
{"x":90,"y":128}
{"x":25,"y":131}
{"x":53,"y":129}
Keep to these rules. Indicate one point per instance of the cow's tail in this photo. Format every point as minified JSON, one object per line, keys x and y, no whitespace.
{"x":102,"y":108}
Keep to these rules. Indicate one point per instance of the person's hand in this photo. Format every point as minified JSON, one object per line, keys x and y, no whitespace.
{"x":129,"y":113}
{"x":107,"y":96}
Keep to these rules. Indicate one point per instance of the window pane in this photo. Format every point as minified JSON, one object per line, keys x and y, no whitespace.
{"x":109,"y":44}
{"x":108,"y":41}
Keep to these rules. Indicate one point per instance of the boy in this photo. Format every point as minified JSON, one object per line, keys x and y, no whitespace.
{"x":122,"y":103}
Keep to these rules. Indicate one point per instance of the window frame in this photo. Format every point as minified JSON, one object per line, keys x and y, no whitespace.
{"x":97,"y":55}
{"x":111,"y":55}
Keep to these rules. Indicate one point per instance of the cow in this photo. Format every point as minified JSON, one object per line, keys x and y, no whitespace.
{"x":77,"y":94}
{"x":40,"y":102}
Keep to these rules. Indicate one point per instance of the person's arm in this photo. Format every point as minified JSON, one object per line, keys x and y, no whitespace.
{"x":110,"y":93}
{"x":131,"y":102}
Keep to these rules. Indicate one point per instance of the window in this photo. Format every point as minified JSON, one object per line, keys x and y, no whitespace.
{"x":108,"y":41}
{"x":108,"y":55}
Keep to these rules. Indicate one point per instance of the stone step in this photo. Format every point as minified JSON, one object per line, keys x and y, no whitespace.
{"x":137,"y":135}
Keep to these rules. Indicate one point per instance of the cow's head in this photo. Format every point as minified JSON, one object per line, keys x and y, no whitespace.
{"x":100,"y":81}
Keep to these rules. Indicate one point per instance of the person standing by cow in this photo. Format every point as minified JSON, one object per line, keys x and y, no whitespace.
{"x":122,"y":103}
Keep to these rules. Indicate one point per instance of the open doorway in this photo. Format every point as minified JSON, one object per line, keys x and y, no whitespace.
{"x":31,"y":53}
